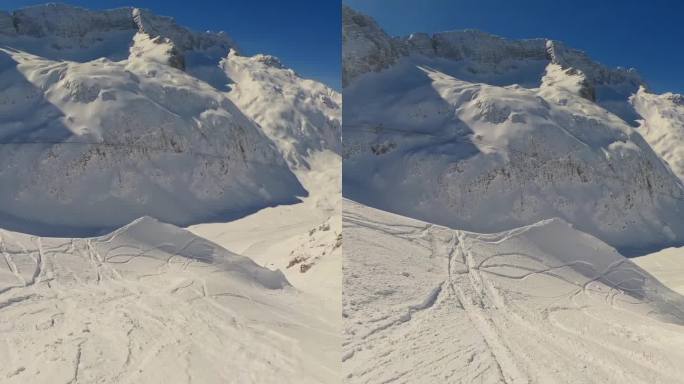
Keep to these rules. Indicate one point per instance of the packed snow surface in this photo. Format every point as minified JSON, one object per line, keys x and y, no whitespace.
{"x":544,"y":303}
{"x":152,"y":302}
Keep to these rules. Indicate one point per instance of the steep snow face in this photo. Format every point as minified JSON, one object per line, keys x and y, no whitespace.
{"x":432,"y":139}
{"x":301,"y":116}
{"x":662,"y":126}
{"x":95,"y":144}
{"x":543,"y":303}
{"x":153,"y":302}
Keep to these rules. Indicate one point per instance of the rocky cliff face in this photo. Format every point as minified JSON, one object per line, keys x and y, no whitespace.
{"x":482,"y":133}
{"x":367,"y":48}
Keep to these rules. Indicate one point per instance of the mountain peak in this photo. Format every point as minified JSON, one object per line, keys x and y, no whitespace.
{"x":486,"y":58}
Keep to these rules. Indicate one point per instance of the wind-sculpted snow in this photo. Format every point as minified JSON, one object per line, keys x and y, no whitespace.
{"x":152,"y":302}
{"x":468,"y":140}
{"x":538,"y":304}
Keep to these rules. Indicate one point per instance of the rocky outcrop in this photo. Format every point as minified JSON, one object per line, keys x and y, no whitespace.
{"x":367,"y":48}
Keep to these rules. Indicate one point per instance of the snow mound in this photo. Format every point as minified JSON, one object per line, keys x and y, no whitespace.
{"x":135,"y":250}
{"x":463,"y":138}
{"x":149,"y":239}
{"x":544,"y":303}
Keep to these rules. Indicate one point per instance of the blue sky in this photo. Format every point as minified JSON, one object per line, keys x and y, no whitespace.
{"x":304,"y":34}
{"x":646,"y":35}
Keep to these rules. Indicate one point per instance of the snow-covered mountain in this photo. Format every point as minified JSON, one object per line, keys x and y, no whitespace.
{"x":127,"y":113}
{"x":481,"y":133}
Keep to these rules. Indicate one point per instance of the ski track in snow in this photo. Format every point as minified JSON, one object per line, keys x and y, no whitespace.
{"x":109,"y":310}
{"x":424,"y":303}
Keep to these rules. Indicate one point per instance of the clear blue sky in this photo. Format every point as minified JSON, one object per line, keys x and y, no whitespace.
{"x":304,"y":34}
{"x":647,"y":35}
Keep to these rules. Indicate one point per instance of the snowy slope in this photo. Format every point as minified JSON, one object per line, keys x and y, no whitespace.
{"x":303,"y":240}
{"x":151,"y":302}
{"x":662,"y":125}
{"x":481,"y":133}
{"x":116,"y":113}
{"x":666,"y":265}
{"x":544,"y":303}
